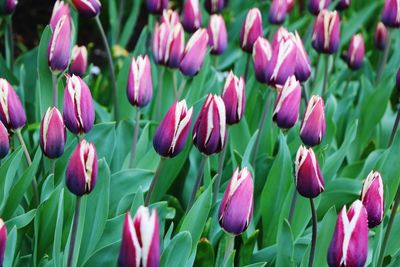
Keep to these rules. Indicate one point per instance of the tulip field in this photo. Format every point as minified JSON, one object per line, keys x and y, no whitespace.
{"x":178,"y":133}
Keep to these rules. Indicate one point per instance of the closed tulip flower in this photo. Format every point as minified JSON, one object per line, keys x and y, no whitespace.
{"x":78,"y":106}
{"x":209,"y":132}
{"x":262,"y":54}
{"x":12,"y":114}
{"x":312,"y":128}
{"x":140,"y":86}
{"x":4,"y":141}
{"x":156,"y":6}
{"x":3,"y":240}
{"x":234,"y":97}
{"x":191,"y":16}
{"x":59,"y":45}
{"x":290,"y":5}
{"x":343,"y":4}
{"x":217,"y":34}
{"x":170,"y":16}
{"x":236,"y":207}
{"x":52,"y":133}
{"x":214,"y":6}
{"x":355,"y":55}
{"x":391,"y":13}
{"x":349,"y":244}
{"x":251,"y":30}
{"x":303,"y":65}
{"x":172,"y":133}
{"x":78,"y":61}
{"x":316,"y":6}
{"x":168,"y":44}
{"x":381,"y":36}
{"x":140,"y":245}
{"x":278,"y":11}
{"x":280,"y":34}
{"x":195,"y":51}
{"x":81,"y":173}
{"x":60,"y":9}
{"x":7,"y":7}
{"x":326,"y":32}
{"x":372,"y":198}
{"x":87,"y":8}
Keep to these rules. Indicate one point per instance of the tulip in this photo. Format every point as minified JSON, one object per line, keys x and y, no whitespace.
{"x":3,"y":240}
{"x":234,"y":97}
{"x":343,"y":4}
{"x":217,"y":34}
{"x":262,"y":54}
{"x":381,"y":36}
{"x":78,"y":61}
{"x":251,"y":30}
{"x":156,"y":6}
{"x":236,"y":207}
{"x":60,"y":9}
{"x":82,"y":169}
{"x":326,"y":32}
{"x":280,"y":34}
{"x":349,"y":244}
{"x":140,"y":245}
{"x":59,"y":45}
{"x":209,"y":132}
{"x":290,"y":5}
{"x":12,"y":114}
{"x":52,"y":133}
{"x":195,"y":51}
{"x":287,"y":105}
{"x":87,"y":8}
{"x":170,"y":16}
{"x":4,"y":141}
{"x":191,"y":16}
{"x":372,"y":198}
{"x":172,"y":133}
{"x":316,"y":6}
{"x":355,"y":55}
{"x":312,"y":128}
{"x":214,"y":6}
{"x":278,"y":11}
{"x":140,"y":86}
{"x":7,"y":7}
{"x":303,"y":65}
{"x":391,"y":13}
{"x":78,"y":106}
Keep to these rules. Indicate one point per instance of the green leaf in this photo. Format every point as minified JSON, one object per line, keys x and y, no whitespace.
{"x":58,"y":232}
{"x":8,"y":170}
{"x":45,"y":84}
{"x":204,"y":254}
{"x":284,"y":255}
{"x":104,"y":137}
{"x":130,"y":23}
{"x":246,"y":251}
{"x":178,"y":250}
{"x":10,"y":248}
{"x":21,"y":221}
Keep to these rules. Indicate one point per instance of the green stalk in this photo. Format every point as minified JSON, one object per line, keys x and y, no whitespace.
{"x":135,"y":137}
{"x":326,"y":76}
{"x":395,"y":126}
{"x":74,"y":231}
{"x":314,"y":233}
{"x":382,"y":63}
{"x":154,"y":181}
{"x":159,"y":93}
{"x":55,"y":89}
{"x":9,"y":43}
{"x":230,"y":244}
{"x":220,"y":169}
{"x":197,"y":182}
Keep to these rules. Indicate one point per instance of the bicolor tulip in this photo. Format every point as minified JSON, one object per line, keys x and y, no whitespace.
{"x":356,"y":52}
{"x":287,"y":105}
{"x":214,"y":6}
{"x":391,"y":13}
{"x":217,"y":34}
{"x":372,"y":198}
{"x":343,"y":4}
{"x":278,"y":11}
{"x":252,"y":29}
{"x":156,"y":6}
{"x":140,"y":245}
{"x":4,"y":141}
{"x":194,"y":53}
{"x":316,"y":6}
{"x":60,"y":9}
{"x":170,"y":16}
{"x":168,"y":44}
{"x":78,"y":61}
{"x":262,"y":54}
{"x":234,"y":97}
{"x":12,"y":114}
{"x":3,"y":241}
{"x":87,"y":8}
{"x":60,"y":45}
{"x":171,"y":135}
{"x":79,"y":112}
{"x":290,"y":5}
{"x":191,"y":16}
{"x":280,"y":34}
{"x":312,"y":128}
{"x":7,"y":7}
{"x":209,"y":132}
{"x":326,"y":32}
{"x":140,"y":87}
{"x":349,"y":244}
{"x":381,"y":36}
{"x":81,"y":173}
{"x":236,"y":209}
{"x":303,"y":65}
{"x":52,"y":133}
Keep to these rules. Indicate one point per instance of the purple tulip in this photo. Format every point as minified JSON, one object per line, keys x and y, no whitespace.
{"x":234,"y":97}
{"x":262,"y":54}
{"x":217,"y":34}
{"x":87,"y":8}
{"x":214,"y":6}
{"x":349,"y":244}
{"x":280,"y":34}
{"x":312,"y":128}
{"x":81,"y":173}
{"x":12,"y":114}
{"x":372,"y":198}
{"x":251,"y":30}
{"x":3,"y":240}
{"x":60,"y":45}
{"x":52,"y":133}
{"x":172,"y":133}
{"x":60,"y":9}
{"x":170,"y":17}
{"x":326,"y":32}
{"x":191,"y":16}
{"x":391,"y":13}
{"x":156,"y":6}
{"x":140,"y":245}
{"x":290,"y":5}
{"x":195,"y":51}
{"x":316,"y":6}
{"x":140,"y":87}
{"x":168,"y":44}
{"x":278,"y":11}
{"x":78,"y":61}
{"x":381,"y":36}
{"x":209,"y":132}
{"x":8,"y":7}
{"x":79,"y":112}
{"x":236,"y":207}
{"x":355,"y":55}
{"x":303,"y":65}
{"x":287,"y":105}
{"x":4,"y":141}
{"x":343,"y":4}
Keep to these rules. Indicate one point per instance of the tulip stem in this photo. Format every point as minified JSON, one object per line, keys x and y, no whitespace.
{"x":292,"y":206}
{"x":111,"y":65}
{"x":395,"y":126}
{"x":197,"y":182}
{"x":383,"y":61}
{"x":326,"y":76}
{"x":181,"y":88}
{"x":74,"y":231}
{"x":220,"y":168}
{"x":55,"y":89}
{"x":246,"y":70}
{"x":53,"y":166}
{"x":159,"y":93}
{"x":135,"y":137}
{"x":120,"y":16}
{"x":175,"y":82}
{"x":314,"y":233}
{"x":229,"y":246}
{"x":154,"y":182}
{"x":9,"y":43}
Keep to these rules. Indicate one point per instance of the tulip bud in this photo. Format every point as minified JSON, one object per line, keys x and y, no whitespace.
{"x":52,"y":133}
{"x":326,"y":32}
{"x":172,"y":133}
{"x":78,"y":106}
{"x":191,"y":16}
{"x":280,"y":34}
{"x":278,"y":11}
{"x":87,"y":8}
{"x":4,"y":141}
{"x":12,"y":114}
{"x":234,"y":97}
{"x":78,"y":61}
{"x":316,"y":6}
{"x":343,"y":4}
{"x":262,"y":54}
{"x":236,"y":207}
{"x":82,"y":169}
{"x":209,"y":132}
{"x":355,"y":55}
{"x":3,"y":240}
{"x":372,"y":198}
{"x":381,"y":36}
{"x":59,"y":45}
{"x":303,"y":65}
{"x":391,"y":13}
{"x":217,"y":34}
{"x":195,"y":51}
{"x":312,"y":128}
{"x":349,"y":244}
{"x":7,"y":7}
{"x":156,"y":6}
{"x":140,"y":245}
{"x":214,"y":6}
{"x":287,"y":105}
{"x":140,"y":86}
{"x":169,"y":16}
{"x":289,"y":5}
{"x":60,"y":9}
{"x":251,"y":30}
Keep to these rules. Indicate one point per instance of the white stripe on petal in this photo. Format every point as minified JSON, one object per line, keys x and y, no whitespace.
{"x":4,"y":98}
